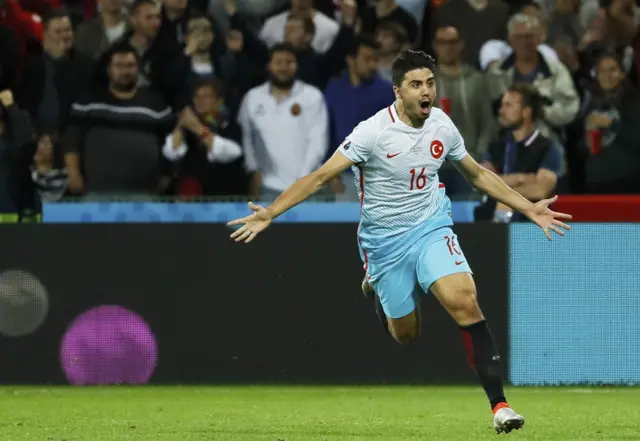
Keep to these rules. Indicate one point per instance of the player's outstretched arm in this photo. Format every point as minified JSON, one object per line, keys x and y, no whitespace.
{"x":303,"y":188}
{"x":489,"y":183}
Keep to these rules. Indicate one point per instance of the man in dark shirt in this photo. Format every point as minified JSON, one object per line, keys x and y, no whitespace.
{"x":163,"y":66}
{"x":526,"y":160}
{"x":113,"y":143}
{"x":53,"y":79}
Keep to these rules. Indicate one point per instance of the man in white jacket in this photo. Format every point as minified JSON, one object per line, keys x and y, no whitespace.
{"x":527,"y":64}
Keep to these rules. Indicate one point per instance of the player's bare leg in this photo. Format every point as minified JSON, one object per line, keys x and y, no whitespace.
{"x":457,"y":294}
{"x":405,"y":329}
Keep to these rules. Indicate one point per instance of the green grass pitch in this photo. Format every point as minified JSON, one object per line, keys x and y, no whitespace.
{"x":297,"y":413}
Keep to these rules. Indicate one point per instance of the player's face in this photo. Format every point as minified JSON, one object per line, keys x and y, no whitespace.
{"x":282,"y":68}
{"x":417,"y":93}
{"x":511,"y":110}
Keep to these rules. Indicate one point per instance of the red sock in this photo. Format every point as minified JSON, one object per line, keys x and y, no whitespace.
{"x":499,"y":406}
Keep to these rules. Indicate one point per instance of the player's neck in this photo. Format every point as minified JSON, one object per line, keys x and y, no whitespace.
{"x":416,"y":124}
{"x":523,"y":132}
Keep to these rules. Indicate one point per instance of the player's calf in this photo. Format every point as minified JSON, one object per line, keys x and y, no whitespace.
{"x":457,"y":293}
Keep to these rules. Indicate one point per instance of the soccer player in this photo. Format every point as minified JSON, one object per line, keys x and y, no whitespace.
{"x":405,"y":236}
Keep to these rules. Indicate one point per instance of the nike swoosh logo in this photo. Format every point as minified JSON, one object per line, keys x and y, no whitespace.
{"x":389,"y":155}
{"x":459,"y":263}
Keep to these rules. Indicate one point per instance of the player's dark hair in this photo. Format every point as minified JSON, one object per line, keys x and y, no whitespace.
{"x":55,"y":14}
{"x":307,"y":23}
{"x":529,"y":97}
{"x":137,"y":4}
{"x":409,"y":60}
{"x":282,"y":47}
{"x":360,"y":42}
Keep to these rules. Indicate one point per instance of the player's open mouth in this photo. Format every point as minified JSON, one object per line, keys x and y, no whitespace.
{"x":425,"y":106}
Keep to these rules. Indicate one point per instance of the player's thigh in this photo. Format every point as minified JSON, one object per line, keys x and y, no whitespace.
{"x":395,"y":287}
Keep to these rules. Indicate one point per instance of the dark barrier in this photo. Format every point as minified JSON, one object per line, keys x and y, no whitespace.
{"x":286,"y":308}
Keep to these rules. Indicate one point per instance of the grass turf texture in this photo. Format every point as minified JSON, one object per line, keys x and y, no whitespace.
{"x":310,"y":413}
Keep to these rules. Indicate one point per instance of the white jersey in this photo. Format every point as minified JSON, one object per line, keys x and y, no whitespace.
{"x":396,"y":171}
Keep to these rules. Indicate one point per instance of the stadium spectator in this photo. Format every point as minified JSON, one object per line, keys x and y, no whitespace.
{"x":326,"y":28}
{"x":564,"y":26}
{"x":114,"y":139}
{"x":464,"y":96}
{"x":313,"y":68}
{"x":388,"y":10}
{"x":551,"y":78}
{"x":611,"y":117}
{"x":285,"y":127}
{"x":206,"y":59}
{"x":392,"y":39}
{"x":19,"y":200}
{"x":50,"y":180}
{"x":55,"y":78}
{"x":95,"y":35}
{"x":611,"y":28}
{"x":163,"y":64}
{"x":478,"y":21}
{"x":26,"y":28}
{"x":213,"y":163}
{"x":353,"y":97}
{"x":9,"y":58}
{"x":524,"y":158}
{"x":416,"y":8}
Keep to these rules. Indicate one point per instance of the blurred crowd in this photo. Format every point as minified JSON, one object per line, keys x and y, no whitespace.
{"x":201,"y":98}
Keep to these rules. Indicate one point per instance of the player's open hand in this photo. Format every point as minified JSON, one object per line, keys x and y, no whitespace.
{"x":548,"y":220}
{"x":252,"y":224}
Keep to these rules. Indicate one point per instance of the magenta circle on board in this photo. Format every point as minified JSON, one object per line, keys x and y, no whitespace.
{"x":108,"y":345}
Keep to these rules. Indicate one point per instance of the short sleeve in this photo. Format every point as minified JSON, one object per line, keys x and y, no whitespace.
{"x":458,"y":150}
{"x":553,"y":160}
{"x":359,"y":144}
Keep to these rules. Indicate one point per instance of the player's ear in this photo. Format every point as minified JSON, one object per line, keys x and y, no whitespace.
{"x":396,"y":91}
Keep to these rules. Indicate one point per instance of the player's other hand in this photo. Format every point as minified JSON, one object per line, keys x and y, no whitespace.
{"x":252,"y":224}
{"x":548,"y":220}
